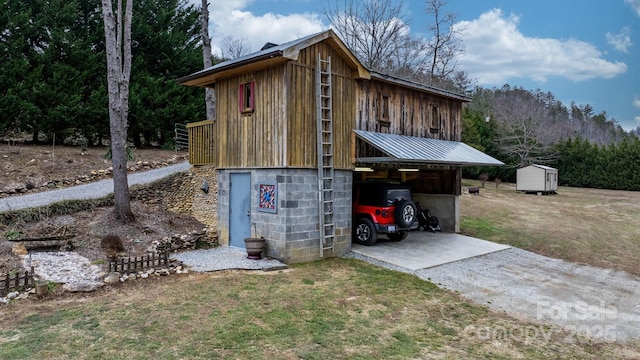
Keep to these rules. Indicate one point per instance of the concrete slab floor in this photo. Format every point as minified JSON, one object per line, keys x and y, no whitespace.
{"x":421,"y":250}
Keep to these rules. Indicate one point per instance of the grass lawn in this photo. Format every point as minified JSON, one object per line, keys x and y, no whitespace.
{"x":330,"y":309}
{"x":590,"y":226}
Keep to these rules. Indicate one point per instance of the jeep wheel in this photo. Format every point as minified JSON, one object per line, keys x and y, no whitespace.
{"x":405,"y":213}
{"x":364,"y":233}
{"x":398,"y":236}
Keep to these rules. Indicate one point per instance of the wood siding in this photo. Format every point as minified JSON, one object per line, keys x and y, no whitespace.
{"x":282,"y":129}
{"x":301,"y":107}
{"x":411,"y":112}
{"x":252,"y":139}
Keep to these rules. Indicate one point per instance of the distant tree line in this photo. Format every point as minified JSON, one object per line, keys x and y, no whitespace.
{"x":522,"y":127}
{"x":585,"y":164}
{"x":53,"y":70}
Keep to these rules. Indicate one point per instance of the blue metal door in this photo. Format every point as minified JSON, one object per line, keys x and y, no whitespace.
{"x":239,"y":209}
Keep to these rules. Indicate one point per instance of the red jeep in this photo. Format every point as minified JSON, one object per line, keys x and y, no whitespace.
{"x":382,"y":208}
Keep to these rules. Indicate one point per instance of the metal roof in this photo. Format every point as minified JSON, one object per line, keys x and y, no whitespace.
{"x":273,"y":52}
{"x":540,"y":167}
{"x":410,"y":149}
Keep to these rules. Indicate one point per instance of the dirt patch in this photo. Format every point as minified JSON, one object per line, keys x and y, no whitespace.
{"x":30,"y":167}
{"x":44,"y":163}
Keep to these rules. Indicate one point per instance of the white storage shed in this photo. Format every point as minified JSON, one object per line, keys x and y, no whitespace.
{"x":537,"y":179}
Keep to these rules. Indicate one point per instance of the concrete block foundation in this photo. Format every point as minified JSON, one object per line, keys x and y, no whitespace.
{"x":292,"y":232}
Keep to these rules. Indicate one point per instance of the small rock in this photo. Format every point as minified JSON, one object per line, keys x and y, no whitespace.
{"x":22,"y":296}
{"x":112,"y":278}
{"x":144,"y":275}
{"x":12,"y":295}
{"x":81,"y":287}
{"x":163,"y":272}
{"x":19,"y":249}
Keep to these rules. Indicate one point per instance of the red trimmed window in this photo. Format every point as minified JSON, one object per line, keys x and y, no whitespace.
{"x":246,"y":102}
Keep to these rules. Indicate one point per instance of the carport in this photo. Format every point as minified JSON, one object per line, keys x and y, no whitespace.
{"x":431,"y":167}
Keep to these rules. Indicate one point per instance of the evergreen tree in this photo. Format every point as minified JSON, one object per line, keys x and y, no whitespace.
{"x":167,"y":46}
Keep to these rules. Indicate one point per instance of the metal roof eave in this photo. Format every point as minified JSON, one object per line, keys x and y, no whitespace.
{"x":209,"y":75}
{"x":419,"y":86}
{"x":394,"y":160}
{"x":416,"y":150}
{"x":267,"y":57}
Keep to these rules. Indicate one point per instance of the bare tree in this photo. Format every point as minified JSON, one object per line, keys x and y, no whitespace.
{"x":445,"y":46}
{"x":118,"y":48}
{"x":209,"y":93}
{"x":524,"y":126}
{"x":378,"y":32}
{"x":233,"y":48}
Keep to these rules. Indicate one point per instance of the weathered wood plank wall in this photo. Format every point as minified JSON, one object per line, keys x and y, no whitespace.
{"x":411,"y":113}
{"x":281,"y":131}
{"x":253,"y":139}
{"x":301,"y":107}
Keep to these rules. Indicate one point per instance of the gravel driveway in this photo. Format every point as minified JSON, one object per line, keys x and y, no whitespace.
{"x":601,"y":303}
{"x":94,"y":190}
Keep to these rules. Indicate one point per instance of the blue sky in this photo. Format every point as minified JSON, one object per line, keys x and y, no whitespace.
{"x":586,"y":51}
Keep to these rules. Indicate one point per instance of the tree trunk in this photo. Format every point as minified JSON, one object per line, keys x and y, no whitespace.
{"x":118,"y":49}
{"x":209,"y":94}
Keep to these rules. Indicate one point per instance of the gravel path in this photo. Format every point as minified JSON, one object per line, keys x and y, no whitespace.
{"x":75,"y":272}
{"x":92,"y":190}
{"x":223,"y":258}
{"x":601,"y":303}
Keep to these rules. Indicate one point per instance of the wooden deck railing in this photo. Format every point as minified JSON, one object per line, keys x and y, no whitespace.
{"x":202,"y":137}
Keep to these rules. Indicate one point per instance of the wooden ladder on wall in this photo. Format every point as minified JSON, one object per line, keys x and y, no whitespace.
{"x":324,"y":115}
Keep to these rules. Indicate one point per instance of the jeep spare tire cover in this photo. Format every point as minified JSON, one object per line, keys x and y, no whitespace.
{"x":405,"y":213}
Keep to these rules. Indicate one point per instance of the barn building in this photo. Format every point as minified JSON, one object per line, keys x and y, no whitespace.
{"x":537,"y":179}
{"x":296,"y":124}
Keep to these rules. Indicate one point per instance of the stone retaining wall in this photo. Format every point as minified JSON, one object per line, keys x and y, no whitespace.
{"x":182,"y":193}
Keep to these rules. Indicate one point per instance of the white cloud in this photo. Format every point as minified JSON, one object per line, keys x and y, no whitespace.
{"x":229,"y":19}
{"x":496,"y":51}
{"x":636,"y":102}
{"x":635,"y":4}
{"x":258,"y":30}
{"x":620,"y":41}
